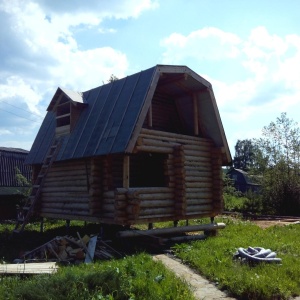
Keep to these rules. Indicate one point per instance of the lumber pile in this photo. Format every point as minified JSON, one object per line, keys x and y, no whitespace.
{"x":72,"y":250}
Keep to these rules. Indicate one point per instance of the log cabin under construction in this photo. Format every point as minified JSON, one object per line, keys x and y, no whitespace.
{"x":142,"y":149}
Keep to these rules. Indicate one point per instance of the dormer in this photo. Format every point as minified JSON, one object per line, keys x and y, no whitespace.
{"x":67,"y":105}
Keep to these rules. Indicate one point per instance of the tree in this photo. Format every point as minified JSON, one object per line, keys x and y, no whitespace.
{"x":244,"y":155}
{"x":112,"y":78}
{"x":278,"y":157}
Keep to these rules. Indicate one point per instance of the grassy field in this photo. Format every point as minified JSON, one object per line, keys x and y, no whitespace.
{"x":132,"y":277}
{"x":139,"y":277}
{"x":213,"y":258}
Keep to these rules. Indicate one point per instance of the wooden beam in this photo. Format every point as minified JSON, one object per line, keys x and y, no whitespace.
{"x":126,"y":170}
{"x":162,"y":231}
{"x":150,"y":116}
{"x":196,"y":124}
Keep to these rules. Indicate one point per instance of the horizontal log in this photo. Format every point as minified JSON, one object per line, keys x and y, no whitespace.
{"x":186,"y":238}
{"x":202,"y":153}
{"x":173,"y":136}
{"x":198,"y":164}
{"x":156,"y":203}
{"x":154,"y":149}
{"x":65,"y":190}
{"x":156,"y":142}
{"x":200,"y":195}
{"x":197,"y":184}
{"x":144,"y":190}
{"x":50,"y":199}
{"x":67,"y":183}
{"x":204,"y":147}
{"x":120,"y":204}
{"x":202,"y":201}
{"x":67,"y":195}
{"x":156,"y":211}
{"x":71,"y":167}
{"x":199,"y":208}
{"x":109,"y":194}
{"x":107,"y":207}
{"x":167,"y":231}
{"x":198,"y":173}
{"x":108,"y":201}
{"x":198,"y":190}
{"x":192,"y":179}
{"x":107,"y":215}
{"x":156,"y":196}
{"x":72,"y":213}
{"x":197,"y":158}
{"x":75,"y":174}
{"x":132,"y":209}
{"x":65,"y":206}
{"x":205,"y":176}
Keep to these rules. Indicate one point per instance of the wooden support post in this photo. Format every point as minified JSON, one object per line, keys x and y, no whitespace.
{"x":196,"y":125}
{"x":150,"y":116}
{"x":126,"y":163}
{"x":42,"y":225}
{"x":67,"y":226}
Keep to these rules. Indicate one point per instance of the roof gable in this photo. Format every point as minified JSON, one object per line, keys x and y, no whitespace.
{"x":115,"y":113}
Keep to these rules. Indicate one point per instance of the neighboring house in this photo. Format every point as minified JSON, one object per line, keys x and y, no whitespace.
{"x":142,"y":149}
{"x":242,"y":181}
{"x":11,"y":189}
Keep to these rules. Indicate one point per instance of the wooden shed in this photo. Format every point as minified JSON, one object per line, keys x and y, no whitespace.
{"x":11,"y":189}
{"x":142,"y":149}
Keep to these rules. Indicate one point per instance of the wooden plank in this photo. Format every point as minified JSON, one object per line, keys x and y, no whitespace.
{"x":91,"y":250}
{"x":29,"y":268}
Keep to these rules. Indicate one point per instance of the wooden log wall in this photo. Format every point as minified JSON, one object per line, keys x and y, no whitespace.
{"x":164,"y":114}
{"x":96,"y":186}
{"x":193,"y":172}
{"x":65,"y":191}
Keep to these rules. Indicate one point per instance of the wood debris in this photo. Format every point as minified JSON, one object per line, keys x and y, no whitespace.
{"x":72,"y":250}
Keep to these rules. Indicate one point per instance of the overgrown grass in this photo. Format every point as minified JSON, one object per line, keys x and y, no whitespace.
{"x":139,"y":277}
{"x":213,"y":258}
{"x":134,"y":277}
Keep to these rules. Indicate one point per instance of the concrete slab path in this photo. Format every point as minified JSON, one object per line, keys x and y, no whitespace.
{"x":201,"y":287}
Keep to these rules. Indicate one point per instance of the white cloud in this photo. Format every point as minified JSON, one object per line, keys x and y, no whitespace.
{"x":266,"y":84}
{"x":204,"y":44}
{"x":15,"y":87}
{"x":39,"y":52}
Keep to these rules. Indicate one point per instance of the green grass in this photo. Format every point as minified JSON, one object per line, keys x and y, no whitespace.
{"x":132,"y":277}
{"x":213,"y":258}
{"x":139,"y":277}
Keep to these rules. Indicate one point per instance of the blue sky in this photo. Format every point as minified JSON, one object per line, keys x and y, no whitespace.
{"x":248,"y":50}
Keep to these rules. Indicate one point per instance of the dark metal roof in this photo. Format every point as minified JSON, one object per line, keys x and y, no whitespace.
{"x":10,"y":159}
{"x":114,"y":113}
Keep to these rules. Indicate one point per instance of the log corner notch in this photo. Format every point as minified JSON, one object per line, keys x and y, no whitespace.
{"x":218,"y":202}
{"x":179,"y":172}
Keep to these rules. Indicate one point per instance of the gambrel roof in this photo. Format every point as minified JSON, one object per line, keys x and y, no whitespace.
{"x":113,"y":114}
